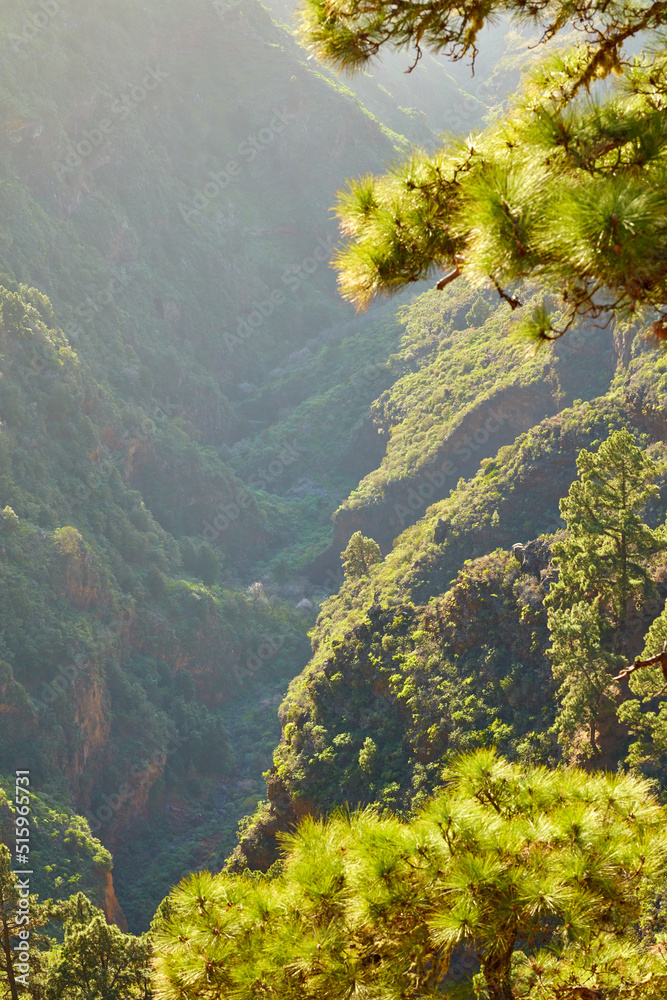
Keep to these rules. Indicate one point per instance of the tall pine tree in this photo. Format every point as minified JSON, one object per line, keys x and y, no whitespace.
{"x":503,"y":861}
{"x":603,"y":566}
{"x":604,"y":558}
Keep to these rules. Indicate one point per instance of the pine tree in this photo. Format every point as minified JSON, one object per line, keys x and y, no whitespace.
{"x":361,"y":553}
{"x":648,"y":753}
{"x":603,"y":559}
{"x":567,"y":189}
{"x":581,"y":669}
{"x":96,"y":960}
{"x":602,"y":566}
{"x":504,"y":860}
{"x":8,"y":927}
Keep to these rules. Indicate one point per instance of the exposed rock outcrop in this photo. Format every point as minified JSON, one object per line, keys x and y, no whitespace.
{"x":112,"y":908}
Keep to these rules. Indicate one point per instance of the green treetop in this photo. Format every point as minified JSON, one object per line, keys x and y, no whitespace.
{"x":96,"y":960}
{"x":602,"y":565}
{"x":603,"y":559}
{"x":361,"y":553}
{"x":505,"y":860}
{"x":567,"y":189}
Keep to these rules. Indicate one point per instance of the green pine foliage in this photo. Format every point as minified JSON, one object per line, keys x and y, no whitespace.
{"x":604,"y":563}
{"x":563,"y":190}
{"x":349,"y":36}
{"x":603,"y":559}
{"x":94,"y":959}
{"x":543,"y":874}
{"x":645,"y":714}
{"x":582,"y":670}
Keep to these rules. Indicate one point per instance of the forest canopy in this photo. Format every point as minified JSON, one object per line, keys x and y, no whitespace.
{"x":566,"y":189}
{"x":542,"y":874}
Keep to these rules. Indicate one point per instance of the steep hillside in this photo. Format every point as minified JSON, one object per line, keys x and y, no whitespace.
{"x":404,"y":688}
{"x":454,"y":388}
{"x":193,"y":425}
{"x":421,"y":659}
{"x":133,"y":193}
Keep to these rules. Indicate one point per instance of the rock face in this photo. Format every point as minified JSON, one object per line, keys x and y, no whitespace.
{"x":112,"y":908}
{"x":258,"y":848}
{"x":535,"y":560}
{"x":441,"y":531}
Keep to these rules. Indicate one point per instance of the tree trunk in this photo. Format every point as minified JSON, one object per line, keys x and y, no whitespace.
{"x":6,"y":947}
{"x":496,"y":968}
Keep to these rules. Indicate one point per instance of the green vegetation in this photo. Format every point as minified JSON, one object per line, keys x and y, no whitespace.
{"x":563,"y":190}
{"x":95,"y":959}
{"x":603,"y":565}
{"x":205,"y":460}
{"x":603,"y":558}
{"x":360,"y":554}
{"x":543,"y":874}
{"x":65,"y":856}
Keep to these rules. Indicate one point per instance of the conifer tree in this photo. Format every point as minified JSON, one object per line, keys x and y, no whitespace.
{"x":602,"y":565}
{"x":504,"y":860}
{"x":567,"y":189}
{"x":96,"y":960}
{"x":361,"y":553}
{"x":644,"y":715}
{"x":581,"y":669}
{"x":603,"y":559}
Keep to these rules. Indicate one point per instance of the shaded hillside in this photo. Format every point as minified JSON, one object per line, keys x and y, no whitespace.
{"x":125,"y":624}
{"x":454,"y":388}
{"x":406,"y":671}
{"x":174,"y":305}
{"x":406,"y":687}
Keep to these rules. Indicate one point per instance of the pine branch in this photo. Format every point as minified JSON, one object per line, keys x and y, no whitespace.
{"x":660,"y":658}
{"x":449,"y":277}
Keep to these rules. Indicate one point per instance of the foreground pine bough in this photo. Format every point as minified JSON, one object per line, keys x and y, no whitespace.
{"x":567,"y":189}
{"x":544,"y":874}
